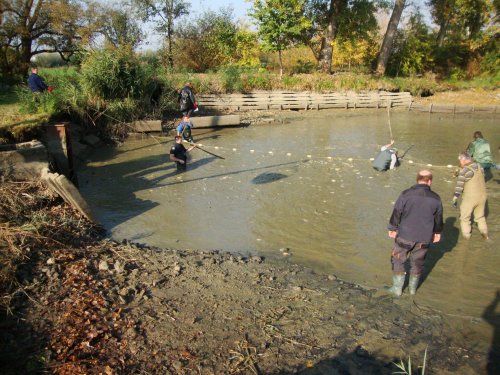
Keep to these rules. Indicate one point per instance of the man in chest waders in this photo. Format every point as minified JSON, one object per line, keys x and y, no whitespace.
{"x":472,"y":188}
{"x":386,"y":159}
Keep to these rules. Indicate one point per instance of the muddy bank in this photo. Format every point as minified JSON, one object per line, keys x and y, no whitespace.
{"x":75,"y":303}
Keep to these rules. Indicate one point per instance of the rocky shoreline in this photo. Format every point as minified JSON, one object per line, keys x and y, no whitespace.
{"x":84,"y":304}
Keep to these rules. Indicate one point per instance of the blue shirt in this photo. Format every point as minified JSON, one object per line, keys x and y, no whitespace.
{"x":183,"y":124}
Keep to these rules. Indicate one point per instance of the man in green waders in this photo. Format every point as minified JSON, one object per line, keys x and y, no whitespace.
{"x":479,"y":150}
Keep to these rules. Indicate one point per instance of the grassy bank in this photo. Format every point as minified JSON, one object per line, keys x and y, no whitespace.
{"x":74,"y":98}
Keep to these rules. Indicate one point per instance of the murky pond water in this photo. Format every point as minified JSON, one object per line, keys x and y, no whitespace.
{"x":306,"y":185}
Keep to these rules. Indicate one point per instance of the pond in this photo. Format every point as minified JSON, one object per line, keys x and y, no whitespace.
{"x":305,"y":187}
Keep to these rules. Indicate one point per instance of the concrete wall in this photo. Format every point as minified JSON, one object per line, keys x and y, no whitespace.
{"x":23,"y":161}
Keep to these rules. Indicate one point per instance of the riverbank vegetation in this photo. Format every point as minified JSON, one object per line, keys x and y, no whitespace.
{"x":99,"y":76}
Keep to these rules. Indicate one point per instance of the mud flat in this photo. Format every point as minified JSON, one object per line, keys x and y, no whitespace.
{"x":124,"y":308}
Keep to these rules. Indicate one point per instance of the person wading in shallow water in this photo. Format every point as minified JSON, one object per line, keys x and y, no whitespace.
{"x":415,"y":223}
{"x":184,"y":129}
{"x":386,"y":159}
{"x":178,"y":153}
{"x":472,"y":187}
{"x":479,"y":150}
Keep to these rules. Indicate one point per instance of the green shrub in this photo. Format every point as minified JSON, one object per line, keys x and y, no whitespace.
{"x":291,"y":82}
{"x":231,"y":80}
{"x":113,"y":74}
{"x":257,"y":82}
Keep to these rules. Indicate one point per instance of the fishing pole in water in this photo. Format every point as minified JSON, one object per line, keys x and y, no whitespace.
{"x":389,"y":119}
{"x":208,"y":152}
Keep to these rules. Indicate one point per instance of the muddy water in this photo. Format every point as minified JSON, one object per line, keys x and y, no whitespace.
{"x":308,"y":186}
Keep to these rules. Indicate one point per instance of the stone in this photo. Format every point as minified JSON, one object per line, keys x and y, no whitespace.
{"x":103,"y":265}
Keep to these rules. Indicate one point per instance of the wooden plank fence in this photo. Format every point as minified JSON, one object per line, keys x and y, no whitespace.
{"x":455,"y":108}
{"x":266,"y":100}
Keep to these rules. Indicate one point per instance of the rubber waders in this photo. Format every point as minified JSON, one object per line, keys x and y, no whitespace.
{"x":413,"y":284}
{"x":397,"y":285}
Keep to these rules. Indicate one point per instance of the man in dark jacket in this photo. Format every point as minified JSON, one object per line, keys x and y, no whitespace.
{"x":416,"y":222}
{"x":36,"y":83}
{"x":187,"y":101}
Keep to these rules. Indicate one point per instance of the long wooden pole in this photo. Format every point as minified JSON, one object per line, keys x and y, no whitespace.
{"x":389,"y":119}
{"x":208,"y":152}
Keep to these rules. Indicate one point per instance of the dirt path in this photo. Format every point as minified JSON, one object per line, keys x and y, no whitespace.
{"x":466,"y":97}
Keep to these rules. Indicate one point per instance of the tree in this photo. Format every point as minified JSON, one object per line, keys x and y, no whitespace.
{"x":386,"y":48}
{"x":31,"y":27}
{"x":163,"y":13}
{"x":325,"y":58}
{"x":122,"y":30}
{"x":208,"y":42}
{"x":281,"y":23}
{"x":412,"y":51}
{"x":465,"y":16}
{"x":337,"y":22}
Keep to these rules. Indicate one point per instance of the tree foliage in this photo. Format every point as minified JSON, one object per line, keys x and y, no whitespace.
{"x":467,"y":30}
{"x":281,"y":23}
{"x":210,"y":41}
{"x":30,"y":27}
{"x":387,"y":43}
{"x":413,"y":47}
{"x":351,"y":21}
{"x":122,"y":30}
{"x":112,"y":74}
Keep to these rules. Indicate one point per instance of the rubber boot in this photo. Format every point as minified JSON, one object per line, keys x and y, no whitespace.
{"x":413,"y":284}
{"x":397,"y":285}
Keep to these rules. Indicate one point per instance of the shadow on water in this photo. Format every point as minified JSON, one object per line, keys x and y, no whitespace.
{"x":265,"y":178}
{"x":233,"y":173}
{"x":491,"y":316}
{"x":448,"y":242}
{"x":356,"y":362}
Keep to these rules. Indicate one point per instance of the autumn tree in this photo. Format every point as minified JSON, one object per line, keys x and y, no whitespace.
{"x":164,"y":14}
{"x":210,"y":41}
{"x":281,"y":23}
{"x":392,"y":27}
{"x":334,"y":11}
{"x":412,"y":49}
{"x":467,"y":32}
{"x":122,"y":30}
{"x":337,"y":26}
{"x":31,"y":27}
